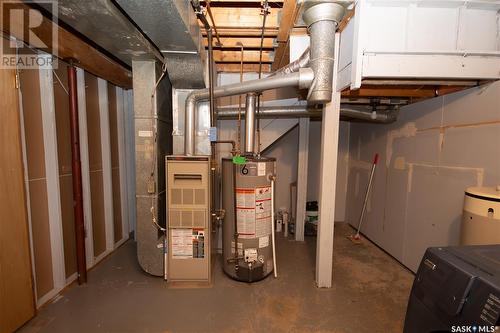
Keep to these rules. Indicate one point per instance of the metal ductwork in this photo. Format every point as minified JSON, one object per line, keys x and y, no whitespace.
{"x":173,"y":27}
{"x":322,"y":19}
{"x":387,"y":117}
{"x":164,"y":30}
{"x":383,"y":117}
{"x":251,"y":105}
{"x":294,"y":66}
{"x":303,"y":78}
{"x":105,"y":24}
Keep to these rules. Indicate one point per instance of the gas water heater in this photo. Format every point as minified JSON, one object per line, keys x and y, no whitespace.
{"x":247,"y":227}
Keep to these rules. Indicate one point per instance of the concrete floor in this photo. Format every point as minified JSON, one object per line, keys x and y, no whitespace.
{"x":370,"y":294}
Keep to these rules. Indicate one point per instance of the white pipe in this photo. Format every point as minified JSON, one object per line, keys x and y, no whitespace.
{"x":273,"y":238}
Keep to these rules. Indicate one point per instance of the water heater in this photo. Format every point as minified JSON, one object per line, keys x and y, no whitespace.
{"x":247,"y":227}
{"x":481,"y":216}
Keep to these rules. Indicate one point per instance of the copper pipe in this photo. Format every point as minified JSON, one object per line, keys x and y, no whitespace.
{"x":239,"y":105}
{"x":265,"y":11}
{"x":219,"y":43}
{"x":76,"y":167}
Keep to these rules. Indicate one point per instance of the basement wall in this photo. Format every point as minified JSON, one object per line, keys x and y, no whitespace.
{"x":45,"y":124}
{"x":435,"y":150}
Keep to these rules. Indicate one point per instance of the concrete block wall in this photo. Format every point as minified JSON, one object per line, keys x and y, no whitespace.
{"x":435,"y":150}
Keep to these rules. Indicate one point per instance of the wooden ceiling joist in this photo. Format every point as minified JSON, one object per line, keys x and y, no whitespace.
{"x":243,"y":17}
{"x":249,"y":56}
{"x":289,"y":16}
{"x":241,"y":3}
{"x":248,"y":43}
{"x":411,"y":91}
{"x":235,"y":68}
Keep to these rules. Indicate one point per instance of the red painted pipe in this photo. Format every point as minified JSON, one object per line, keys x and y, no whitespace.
{"x":76,"y":166}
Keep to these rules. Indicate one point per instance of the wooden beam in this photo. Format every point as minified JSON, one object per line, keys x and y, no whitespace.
{"x":346,"y":20}
{"x":282,"y":55}
{"x":235,"y":68}
{"x":444,"y":90}
{"x":391,"y":91}
{"x":245,"y":32}
{"x":70,"y":46}
{"x":235,"y":56}
{"x":288,"y":18}
{"x":231,"y":42}
{"x":241,"y":3}
{"x":243,"y":17}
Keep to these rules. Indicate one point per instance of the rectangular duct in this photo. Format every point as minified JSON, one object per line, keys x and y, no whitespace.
{"x":150,"y":114}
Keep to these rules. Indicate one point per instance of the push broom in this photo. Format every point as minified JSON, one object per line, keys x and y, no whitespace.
{"x":356,"y":238}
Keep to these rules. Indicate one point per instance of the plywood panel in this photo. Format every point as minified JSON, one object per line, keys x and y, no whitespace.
{"x":117,"y":211}
{"x":95,"y":164}
{"x":97,"y":203}
{"x":61,"y":101}
{"x":41,"y":236}
{"x":113,"y":129}
{"x":115,"y":162}
{"x":93,"y":122}
{"x":16,"y":292}
{"x":35,"y":153}
{"x":30,"y":88}
{"x":67,"y":213}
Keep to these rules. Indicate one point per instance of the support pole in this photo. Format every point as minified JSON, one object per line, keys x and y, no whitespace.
{"x":77,"y":176}
{"x":303,"y":157}
{"x":328,"y":180}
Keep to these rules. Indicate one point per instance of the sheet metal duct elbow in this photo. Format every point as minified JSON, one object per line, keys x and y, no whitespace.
{"x":322,"y":19}
{"x":302,"y":79}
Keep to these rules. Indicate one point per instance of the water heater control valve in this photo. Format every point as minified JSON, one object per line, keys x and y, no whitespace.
{"x":250,"y":255}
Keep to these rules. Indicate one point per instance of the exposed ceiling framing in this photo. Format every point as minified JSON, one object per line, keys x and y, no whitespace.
{"x":239,"y":22}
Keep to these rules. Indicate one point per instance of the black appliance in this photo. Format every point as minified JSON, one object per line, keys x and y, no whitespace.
{"x":456,"y":289}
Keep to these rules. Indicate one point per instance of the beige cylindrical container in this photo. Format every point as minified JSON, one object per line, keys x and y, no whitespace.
{"x":481,"y":216}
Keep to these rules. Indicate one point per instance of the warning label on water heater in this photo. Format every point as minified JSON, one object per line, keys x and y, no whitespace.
{"x":253,"y":212}
{"x":263,"y":211}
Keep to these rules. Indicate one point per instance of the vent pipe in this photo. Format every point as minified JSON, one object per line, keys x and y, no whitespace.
{"x":322,"y":19}
{"x":303,"y":79}
{"x":383,"y":117}
{"x":250,"y":107}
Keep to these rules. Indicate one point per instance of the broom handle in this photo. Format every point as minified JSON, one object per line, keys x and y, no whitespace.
{"x":368,"y":188}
